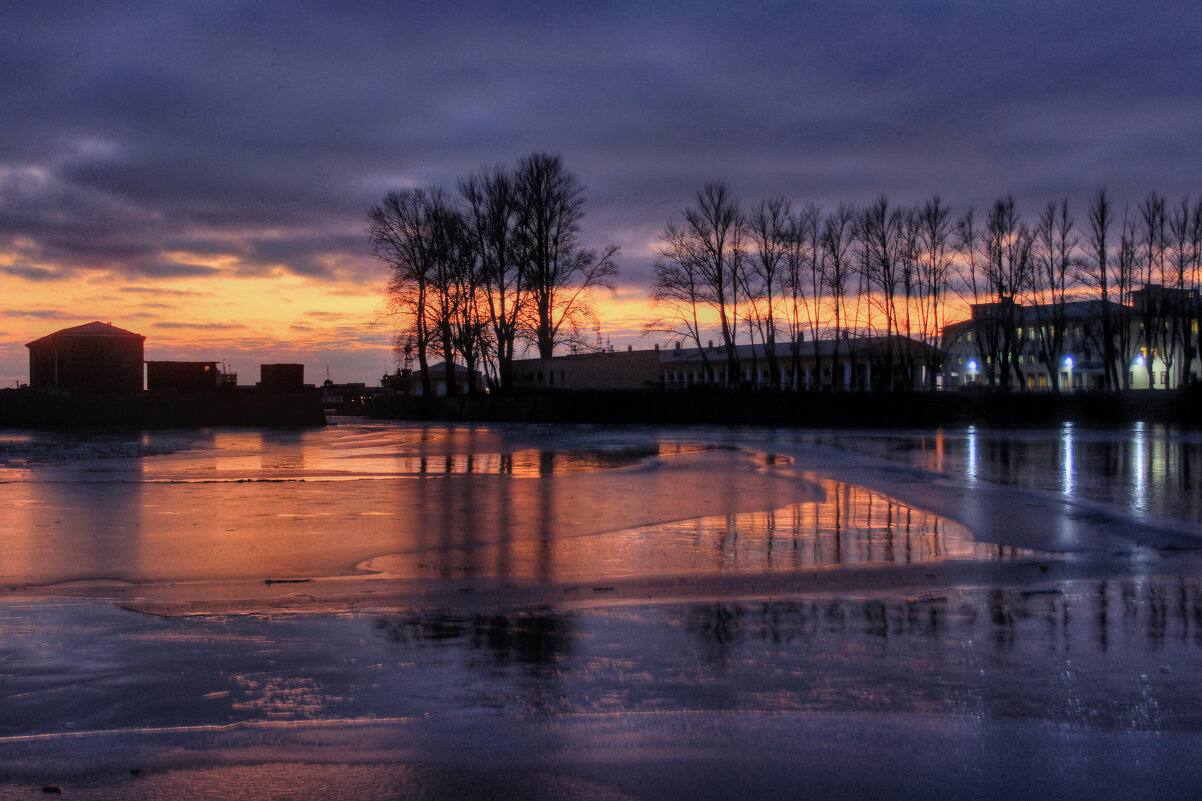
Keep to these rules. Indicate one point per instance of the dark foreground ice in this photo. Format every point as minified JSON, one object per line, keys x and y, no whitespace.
{"x":420,"y":612}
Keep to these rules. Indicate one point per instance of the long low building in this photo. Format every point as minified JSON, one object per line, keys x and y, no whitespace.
{"x":851,"y":364}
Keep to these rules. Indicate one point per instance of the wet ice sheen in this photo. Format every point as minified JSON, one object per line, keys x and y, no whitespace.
{"x":600,"y":613}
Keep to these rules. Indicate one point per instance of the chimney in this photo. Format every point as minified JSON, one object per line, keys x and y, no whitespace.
{"x":711,"y":343}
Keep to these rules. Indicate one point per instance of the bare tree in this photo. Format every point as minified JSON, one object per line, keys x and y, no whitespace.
{"x":560,"y":273}
{"x":401,"y":237}
{"x":769,"y":230}
{"x":493,"y":215}
{"x":1183,"y":282}
{"x":1151,"y":275}
{"x":934,"y":277}
{"x":975,"y":290}
{"x":804,"y":285}
{"x":880,"y":231}
{"x":1095,"y":273}
{"x":680,"y":291}
{"x":1054,"y":253}
{"x":713,"y":230}
{"x":1008,"y":244}
{"x":838,"y":269}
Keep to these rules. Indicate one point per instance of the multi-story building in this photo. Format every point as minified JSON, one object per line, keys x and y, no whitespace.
{"x":1050,"y":346}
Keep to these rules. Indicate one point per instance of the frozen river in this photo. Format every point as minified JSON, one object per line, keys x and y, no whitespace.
{"x":376,"y":610}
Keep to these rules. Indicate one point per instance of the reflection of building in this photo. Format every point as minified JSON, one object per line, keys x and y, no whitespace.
{"x":860,"y":363}
{"x":96,"y":357}
{"x":1046,"y":345}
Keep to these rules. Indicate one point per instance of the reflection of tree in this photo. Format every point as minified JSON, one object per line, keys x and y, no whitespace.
{"x":538,"y":639}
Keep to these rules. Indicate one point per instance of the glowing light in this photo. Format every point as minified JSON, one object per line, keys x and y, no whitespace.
{"x":1139,"y":360}
{"x":1068,"y":362}
{"x":972,"y":364}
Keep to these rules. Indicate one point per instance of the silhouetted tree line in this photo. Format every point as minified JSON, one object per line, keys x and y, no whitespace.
{"x":500,"y":265}
{"x":473,"y":275}
{"x":775,"y":271}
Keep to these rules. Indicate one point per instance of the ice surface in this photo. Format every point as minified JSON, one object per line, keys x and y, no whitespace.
{"x":385,"y":610}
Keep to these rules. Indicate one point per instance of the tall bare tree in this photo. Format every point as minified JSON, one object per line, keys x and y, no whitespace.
{"x":680,"y":291}
{"x":1095,"y":273}
{"x":1008,"y":244}
{"x":1055,"y":258}
{"x":1151,"y":310}
{"x":714,"y":231}
{"x":934,"y":278}
{"x":493,"y":215}
{"x":401,"y":237}
{"x":805,"y":287}
{"x":561,"y":274}
{"x":769,"y":228}
{"x":838,"y":271}
{"x":881,"y":234}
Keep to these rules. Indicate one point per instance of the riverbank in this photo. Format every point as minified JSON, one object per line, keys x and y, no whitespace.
{"x":843,"y":410}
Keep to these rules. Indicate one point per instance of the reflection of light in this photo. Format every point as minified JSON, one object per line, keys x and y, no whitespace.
{"x":1139,"y":499}
{"x":972,"y":453}
{"x":1067,"y":472}
{"x":972,"y":364}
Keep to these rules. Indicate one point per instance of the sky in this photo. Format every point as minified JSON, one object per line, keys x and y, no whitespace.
{"x":200,"y":172}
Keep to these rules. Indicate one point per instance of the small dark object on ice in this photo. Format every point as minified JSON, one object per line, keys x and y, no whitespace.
{"x":52,"y":789}
{"x":603,"y":589}
{"x":135,"y":771}
{"x":286,"y":581}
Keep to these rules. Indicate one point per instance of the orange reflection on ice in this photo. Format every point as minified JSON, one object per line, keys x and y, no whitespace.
{"x":850,"y":526}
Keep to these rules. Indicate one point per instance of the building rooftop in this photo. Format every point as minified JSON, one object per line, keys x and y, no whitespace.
{"x":93,"y":329}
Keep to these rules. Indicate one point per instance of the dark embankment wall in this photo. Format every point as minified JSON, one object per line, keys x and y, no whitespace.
{"x":866,"y":410}
{"x":242,"y":407}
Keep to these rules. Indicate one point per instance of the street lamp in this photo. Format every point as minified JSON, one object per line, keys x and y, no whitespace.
{"x":1068,"y":365}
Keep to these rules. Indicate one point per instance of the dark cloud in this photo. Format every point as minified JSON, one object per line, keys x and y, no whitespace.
{"x":198,"y":326}
{"x":36,"y":274}
{"x":44,"y":314}
{"x":261,"y":132}
{"x":163,"y":292}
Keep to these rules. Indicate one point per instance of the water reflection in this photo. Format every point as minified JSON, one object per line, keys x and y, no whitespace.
{"x":851,"y":525}
{"x":1117,"y":654}
{"x":538,"y":639}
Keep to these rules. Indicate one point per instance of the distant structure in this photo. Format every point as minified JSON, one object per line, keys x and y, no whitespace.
{"x":185,"y":377}
{"x":850,"y":364}
{"x":605,"y":369}
{"x":409,"y":382}
{"x":281,"y":377}
{"x":92,"y":358}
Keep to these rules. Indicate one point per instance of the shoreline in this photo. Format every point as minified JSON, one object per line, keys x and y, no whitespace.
{"x":803,"y":409}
